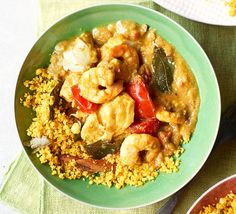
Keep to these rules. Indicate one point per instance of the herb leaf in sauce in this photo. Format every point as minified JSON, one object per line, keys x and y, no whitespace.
{"x":101,"y":148}
{"x":163,"y":69}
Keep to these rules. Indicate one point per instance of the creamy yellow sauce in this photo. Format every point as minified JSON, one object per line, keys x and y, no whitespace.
{"x":133,"y":53}
{"x":184,"y":99}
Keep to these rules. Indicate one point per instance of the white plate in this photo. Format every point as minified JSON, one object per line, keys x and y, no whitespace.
{"x":206,"y":11}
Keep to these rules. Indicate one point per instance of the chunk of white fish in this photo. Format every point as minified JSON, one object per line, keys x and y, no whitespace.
{"x":77,"y":56}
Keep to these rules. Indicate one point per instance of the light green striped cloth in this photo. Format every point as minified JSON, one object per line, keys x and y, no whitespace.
{"x":24,"y":190}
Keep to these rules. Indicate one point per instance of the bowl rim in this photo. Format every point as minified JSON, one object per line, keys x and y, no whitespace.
{"x":190,"y":17}
{"x":213,"y":75}
{"x":209,"y":190}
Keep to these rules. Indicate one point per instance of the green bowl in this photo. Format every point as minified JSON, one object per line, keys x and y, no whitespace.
{"x":202,"y":141}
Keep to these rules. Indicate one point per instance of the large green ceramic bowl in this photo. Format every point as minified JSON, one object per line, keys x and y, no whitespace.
{"x":197,"y":150}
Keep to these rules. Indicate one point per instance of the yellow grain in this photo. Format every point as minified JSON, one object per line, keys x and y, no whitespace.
{"x":226,"y":205}
{"x":60,"y":131}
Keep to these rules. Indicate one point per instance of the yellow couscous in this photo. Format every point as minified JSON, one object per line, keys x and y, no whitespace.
{"x":90,"y":122}
{"x":226,"y":205}
{"x":232,"y":7}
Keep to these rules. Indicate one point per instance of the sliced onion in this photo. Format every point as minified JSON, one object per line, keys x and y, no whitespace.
{"x":39,"y":142}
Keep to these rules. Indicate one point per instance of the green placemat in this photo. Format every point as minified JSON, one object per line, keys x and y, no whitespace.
{"x":26,"y":191}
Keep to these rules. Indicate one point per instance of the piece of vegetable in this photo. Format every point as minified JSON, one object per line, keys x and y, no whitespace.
{"x":101,"y":148}
{"x":163,"y":69}
{"x":89,"y":164}
{"x":147,"y":126}
{"x":144,"y":107}
{"x":55,"y":94}
{"x":84,"y":105}
{"x":56,"y":91}
{"x":77,"y":137}
{"x":59,"y":102}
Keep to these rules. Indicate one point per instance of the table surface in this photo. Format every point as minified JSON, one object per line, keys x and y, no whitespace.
{"x":18,"y":21}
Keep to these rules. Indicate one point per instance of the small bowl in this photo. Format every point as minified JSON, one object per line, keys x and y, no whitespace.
{"x":213,"y":194}
{"x":203,"y":138}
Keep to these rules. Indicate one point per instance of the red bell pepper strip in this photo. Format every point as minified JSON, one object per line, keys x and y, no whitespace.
{"x":146,"y":126}
{"x":144,"y":107}
{"x":83,"y":104}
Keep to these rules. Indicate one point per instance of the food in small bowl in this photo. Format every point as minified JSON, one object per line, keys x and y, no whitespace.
{"x":232,"y":7}
{"x":226,"y":204}
{"x":114,"y":105}
{"x":68,"y":124}
{"x":220,"y":198}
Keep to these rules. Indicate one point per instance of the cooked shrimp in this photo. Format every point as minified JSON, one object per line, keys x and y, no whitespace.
{"x":97,"y":85}
{"x":126,"y":55}
{"x":134,"y":144}
{"x":116,"y":47}
{"x":112,"y":42}
{"x":114,"y":65}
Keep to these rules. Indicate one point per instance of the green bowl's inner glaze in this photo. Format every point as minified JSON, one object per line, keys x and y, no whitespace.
{"x":197,"y":150}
